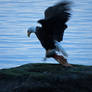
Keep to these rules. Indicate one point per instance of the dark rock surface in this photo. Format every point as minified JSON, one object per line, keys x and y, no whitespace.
{"x":46,"y":78}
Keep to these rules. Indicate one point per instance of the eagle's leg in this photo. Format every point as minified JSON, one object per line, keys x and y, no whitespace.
{"x":58,"y":58}
{"x":61,"y":60}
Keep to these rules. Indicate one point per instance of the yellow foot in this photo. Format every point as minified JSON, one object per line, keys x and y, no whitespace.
{"x":62,"y":60}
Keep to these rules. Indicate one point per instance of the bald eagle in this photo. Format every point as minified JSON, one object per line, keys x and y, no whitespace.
{"x":51,"y":31}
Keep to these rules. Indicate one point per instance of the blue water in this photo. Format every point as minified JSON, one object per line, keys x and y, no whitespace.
{"x":16,"y":16}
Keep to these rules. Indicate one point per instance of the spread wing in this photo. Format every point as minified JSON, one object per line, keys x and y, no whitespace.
{"x":55,"y":20}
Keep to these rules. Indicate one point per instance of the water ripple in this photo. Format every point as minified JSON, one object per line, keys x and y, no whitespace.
{"x":15,"y":18}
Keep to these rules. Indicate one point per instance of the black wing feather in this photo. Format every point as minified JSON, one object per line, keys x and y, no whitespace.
{"x":55,"y":20}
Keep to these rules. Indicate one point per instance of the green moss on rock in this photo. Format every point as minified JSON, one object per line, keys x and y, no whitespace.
{"x":47,"y":78}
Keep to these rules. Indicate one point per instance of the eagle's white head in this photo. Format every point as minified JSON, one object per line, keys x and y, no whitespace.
{"x":32,"y":29}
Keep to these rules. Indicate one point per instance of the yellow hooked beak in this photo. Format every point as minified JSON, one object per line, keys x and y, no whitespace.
{"x":28,"y":33}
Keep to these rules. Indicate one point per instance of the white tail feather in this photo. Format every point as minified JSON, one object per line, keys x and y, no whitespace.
{"x":60,"y":49}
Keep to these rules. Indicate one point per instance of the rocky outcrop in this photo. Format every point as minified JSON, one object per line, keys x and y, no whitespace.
{"x":46,"y":78}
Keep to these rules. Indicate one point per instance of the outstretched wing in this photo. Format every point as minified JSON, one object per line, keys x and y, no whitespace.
{"x":55,"y":20}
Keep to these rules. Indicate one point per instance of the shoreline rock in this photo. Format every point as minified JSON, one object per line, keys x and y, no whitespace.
{"x":46,"y":78}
